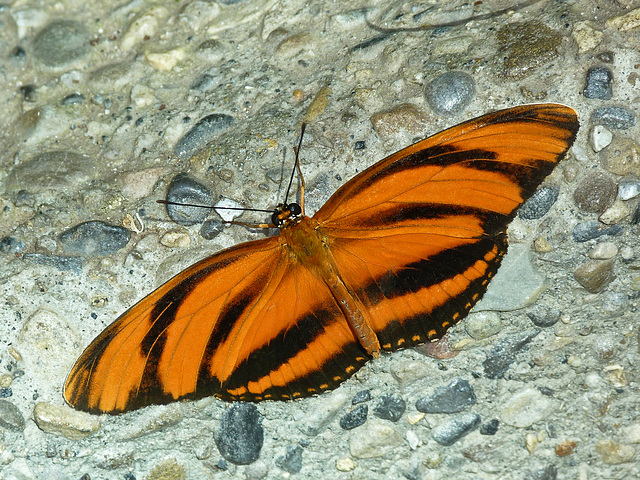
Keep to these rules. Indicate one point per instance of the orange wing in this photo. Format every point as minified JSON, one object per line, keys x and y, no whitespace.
{"x":417,"y":236}
{"x":396,"y":255}
{"x":246,"y":324}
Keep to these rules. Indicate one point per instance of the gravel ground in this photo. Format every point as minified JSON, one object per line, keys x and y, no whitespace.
{"x":110,"y":106}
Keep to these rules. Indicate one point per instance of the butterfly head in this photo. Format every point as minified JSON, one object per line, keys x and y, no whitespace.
{"x":286,"y":215}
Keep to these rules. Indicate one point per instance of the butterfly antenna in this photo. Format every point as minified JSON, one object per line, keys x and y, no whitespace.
{"x":243,"y":209}
{"x":297,"y":167}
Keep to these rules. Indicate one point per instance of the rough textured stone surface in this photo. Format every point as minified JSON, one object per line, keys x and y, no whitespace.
{"x":241,"y":435}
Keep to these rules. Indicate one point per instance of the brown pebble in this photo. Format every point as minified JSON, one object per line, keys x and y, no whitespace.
{"x":565,"y":448}
{"x":405,"y":116}
{"x":595,"y":275}
{"x":595,"y":193}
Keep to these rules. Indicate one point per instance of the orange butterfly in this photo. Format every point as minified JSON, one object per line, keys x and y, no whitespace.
{"x":395,"y":257}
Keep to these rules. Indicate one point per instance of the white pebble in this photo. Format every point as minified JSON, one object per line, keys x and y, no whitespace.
{"x":600,"y":137}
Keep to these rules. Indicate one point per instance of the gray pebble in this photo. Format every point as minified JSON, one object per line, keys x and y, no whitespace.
{"x":355,"y":417}
{"x":9,"y":245}
{"x":616,"y":118}
{"x":204,"y":83}
{"x":599,"y":83}
{"x":390,"y":406}
{"x":490,"y":428}
{"x":184,"y":189}
{"x":455,"y":428}
{"x":543,"y":316}
{"x":595,"y":193}
{"x":61,"y":43}
{"x":73,"y":264}
{"x":503,"y":354}
{"x":361,"y":397}
{"x":591,"y":229}
{"x":628,"y":188}
{"x":73,"y":99}
{"x":614,"y":304}
{"x":452,"y":398}
{"x":211,"y":228}
{"x":202,"y":133}
{"x":451,"y":92}
{"x":10,"y":417}
{"x":539,"y":204}
{"x":291,"y":461}
{"x":549,"y":472}
{"x":94,"y":238}
{"x":241,"y":435}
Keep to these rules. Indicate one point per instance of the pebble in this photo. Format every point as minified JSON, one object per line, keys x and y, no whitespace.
{"x":139,"y":183}
{"x":184,"y":189}
{"x":240,"y":436}
{"x":592,"y":229}
{"x":355,"y":417}
{"x":550,"y":472}
{"x":531,"y":442}
{"x":211,"y":228}
{"x":616,"y":118}
{"x":503,"y":354}
{"x":490,"y":428}
{"x":622,"y":157}
{"x":346,"y":464}
{"x":599,"y":83}
{"x":374,"y":440}
{"x":600,"y":137}
{"x":517,"y":284}
{"x":614,"y":304}
{"x":73,"y":99}
{"x":616,"y":213}
{"x":613,"y":453}
{"x":202,"y":133}
{"x":539,"y":204}
{"x":165,"y":60}
{"x":168,"y":469}
{"x":64,"y":421}
{"x":605,"y":346}
{"x":408,"y":371}
{"x":412,"y":439}
{"x":176,"y":239}
{"x":623,"y":23}
{"x":323,"y":413}
{"x":361,"y":397}
{"x":403,"y":117}
{"x":94,"y":238}
{"x":451,"y":92}
{"x":595,"y":275}
{"x":455,"y":397}
{"x":628,"y":188}
{"x":526,"y":46}
{"x":595,"y":193}
{"x":151,"y":421}
{"x":61,"y":43}
{"x":481,"y":325}
{"x":53,"y":170}
{"x":144,"y":26}
{"x":62,"y":263}
{"x":526,"y":407}
{"x":390,"y":406}
{"x":586,"y":37}
{"x":10,"y":245}
{"x":204,"y":83}
{"x":632,"y":433}
{"x":229,"y":209}
{"x":543,"y":317}
{"x":603,"y":251}
{"x":10,"y":417}
{"x":565,"y":448}
{"x":453,"y":429}
{"x":291,"y":461}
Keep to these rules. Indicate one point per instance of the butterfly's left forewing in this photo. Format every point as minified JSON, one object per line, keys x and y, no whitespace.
{"x":418,"y":236}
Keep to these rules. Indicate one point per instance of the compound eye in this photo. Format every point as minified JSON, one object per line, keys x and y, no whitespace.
{"x":276,"y":218}
{"x":295,"y":209}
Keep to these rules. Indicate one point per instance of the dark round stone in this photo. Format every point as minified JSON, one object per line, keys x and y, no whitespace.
{"x":202,"y":133}
{"x":451,"y":398}
{"x":184,"y":189}
{"x":599,"y":83}
{"x":361,"y":397}
{"x":490,"y":428}
{"x":94,"y":238}
{"x":211,"y":228}
{"x":451,"y":92}
{"x":539,"y":204}
{"x":10,"y":245}
{"x":390,"y":406}
{"x":355,"y":417}
{"x":241,"y":435}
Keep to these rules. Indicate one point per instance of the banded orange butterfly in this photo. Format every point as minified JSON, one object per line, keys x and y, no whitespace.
{"x":396,"y":256}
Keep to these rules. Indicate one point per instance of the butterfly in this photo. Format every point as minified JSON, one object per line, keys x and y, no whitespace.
{"x":396,"y":256}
